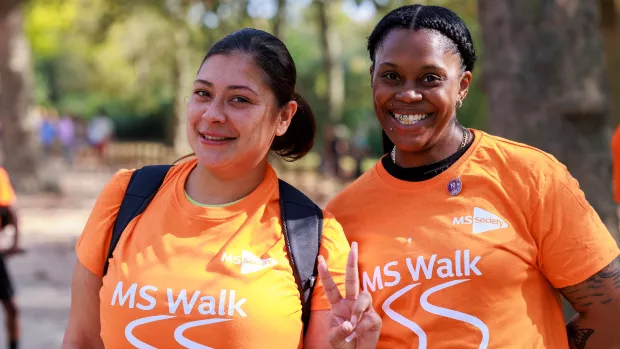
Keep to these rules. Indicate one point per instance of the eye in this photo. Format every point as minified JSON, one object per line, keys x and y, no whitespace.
{"x":239,"y":99}
{"x":390,"y":76}
{"x":431,"y":78}
{"x":201,"y":93}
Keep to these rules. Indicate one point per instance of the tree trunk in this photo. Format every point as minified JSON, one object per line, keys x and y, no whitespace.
{"x":278,"y":22}
{"x":18,"y":127}
{"x":333,"y":69}
{"x":545,"y":79}
{"x":331,"y":48}
{"x":610,"y":10}
{"x":182,"y":80}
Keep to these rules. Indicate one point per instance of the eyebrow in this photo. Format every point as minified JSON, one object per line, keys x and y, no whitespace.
{"x":231,"y":87}
{"x":425,"y":67}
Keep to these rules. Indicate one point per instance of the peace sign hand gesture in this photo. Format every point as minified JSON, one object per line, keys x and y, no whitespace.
{"x":354,"y":323}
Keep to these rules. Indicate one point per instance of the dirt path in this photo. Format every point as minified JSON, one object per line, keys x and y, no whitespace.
{"x":42,"y":276}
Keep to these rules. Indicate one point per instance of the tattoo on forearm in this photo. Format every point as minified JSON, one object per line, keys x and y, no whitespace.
{"x":596,"y":289}
{"x":578,"y":337}
{"x":601,"y":288}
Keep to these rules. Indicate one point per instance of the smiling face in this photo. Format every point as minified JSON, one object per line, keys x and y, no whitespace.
{"x":417,"y":79}
{"x":233,"y":115}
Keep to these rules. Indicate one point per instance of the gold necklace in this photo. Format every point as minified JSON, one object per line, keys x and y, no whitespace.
{"x":463,"y":143}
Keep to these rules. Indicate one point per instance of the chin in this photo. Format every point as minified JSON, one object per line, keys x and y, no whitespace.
{"x":211,"y":161}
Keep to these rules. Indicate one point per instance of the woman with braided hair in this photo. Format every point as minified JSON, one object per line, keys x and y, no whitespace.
{"x":467,"y":240}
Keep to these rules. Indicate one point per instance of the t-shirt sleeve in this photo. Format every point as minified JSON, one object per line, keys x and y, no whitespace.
{"x":92,"y":245}
{"x":335,"y":249}
{"x":573,"y":242}
{"x":7,"y":194}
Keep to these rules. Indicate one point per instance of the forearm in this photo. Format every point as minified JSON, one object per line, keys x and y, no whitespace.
{"x":589,"y":332}
{"x":597,"y":302}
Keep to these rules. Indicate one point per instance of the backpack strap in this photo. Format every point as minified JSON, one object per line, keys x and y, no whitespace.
{"x":302,"y":226}
{"x":142,"y":187}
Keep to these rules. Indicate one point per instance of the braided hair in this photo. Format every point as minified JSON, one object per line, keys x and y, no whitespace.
{"x":436,"y":18}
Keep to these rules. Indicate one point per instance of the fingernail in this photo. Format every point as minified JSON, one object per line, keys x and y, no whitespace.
{"x":353,"y":245}
{"x":351,"y":337}
{"x":354,"y":320}
{"x":347,"y":326}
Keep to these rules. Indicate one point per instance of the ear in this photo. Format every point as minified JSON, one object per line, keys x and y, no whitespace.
{"x":285,"y":117}
{"x":464,"y":86}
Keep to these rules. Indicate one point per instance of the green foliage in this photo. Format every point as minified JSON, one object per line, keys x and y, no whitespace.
{"x":121,"y":56}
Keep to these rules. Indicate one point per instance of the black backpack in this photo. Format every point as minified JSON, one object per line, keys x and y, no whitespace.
{"x":302,"y":226}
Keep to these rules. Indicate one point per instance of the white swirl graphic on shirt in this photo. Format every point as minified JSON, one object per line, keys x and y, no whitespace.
{"x":433,"y":309}
{"x":453,"y":314}
{"x":135,"y":323}
{"x":178,"y":333}
{"x":403,"y":320}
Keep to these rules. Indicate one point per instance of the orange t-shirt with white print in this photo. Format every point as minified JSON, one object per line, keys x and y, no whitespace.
{"x":478,"y":269}
{"x":7,"y":194}
{"x":185,"y":276}
{"x":615,"y":157}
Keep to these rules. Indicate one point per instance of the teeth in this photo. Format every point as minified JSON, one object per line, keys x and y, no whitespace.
{"x":214,"y":138}
{"x":409,"y":119}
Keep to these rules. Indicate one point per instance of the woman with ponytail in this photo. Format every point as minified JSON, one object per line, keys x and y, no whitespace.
{"x":206,"y":265}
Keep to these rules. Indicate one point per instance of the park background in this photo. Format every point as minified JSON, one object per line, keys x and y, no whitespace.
{"x":548,"y":75}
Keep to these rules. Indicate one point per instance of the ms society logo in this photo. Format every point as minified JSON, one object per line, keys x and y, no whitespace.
{"x":218,"y":308}
{"x":452,"y":270}
{"x":482,"y":221}
{"x":248,"y":261}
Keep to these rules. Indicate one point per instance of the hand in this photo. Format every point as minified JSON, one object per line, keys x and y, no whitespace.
{"x":354,"y":323}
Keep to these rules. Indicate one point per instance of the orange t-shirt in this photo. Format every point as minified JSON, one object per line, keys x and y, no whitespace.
{"x":479,"y":269}
{"x":7,"y":194}
{"x":615,"y":157}
{"x":185,"y":276}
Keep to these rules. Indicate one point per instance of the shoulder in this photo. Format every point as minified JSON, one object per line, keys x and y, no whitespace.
{"x":515,"y":153}
{"x":517,"y":160}
{"x":355,"y":192}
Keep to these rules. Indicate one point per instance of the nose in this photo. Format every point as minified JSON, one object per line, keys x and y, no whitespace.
{"x":408,"y":95}
{"x":214,"y":112}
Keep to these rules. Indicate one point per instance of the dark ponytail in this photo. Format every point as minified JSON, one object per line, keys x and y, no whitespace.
{"x":279,"y":71}
{"x":300,"y":136}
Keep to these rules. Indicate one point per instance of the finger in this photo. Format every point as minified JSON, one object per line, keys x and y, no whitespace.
{"x":329,"y":286}
{"x":352,"y":281}
{"x":369,"y":328}
{"x":363,"y":303}
{"x":338,"y":335}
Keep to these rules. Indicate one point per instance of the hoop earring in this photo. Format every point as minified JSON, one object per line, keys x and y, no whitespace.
{"x":459,"y":103}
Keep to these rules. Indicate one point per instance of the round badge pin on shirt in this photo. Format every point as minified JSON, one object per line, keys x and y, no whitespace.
{"x":454,"y":187}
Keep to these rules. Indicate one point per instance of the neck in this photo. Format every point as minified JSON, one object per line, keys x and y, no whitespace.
{"x":447,"y":145}
{"x":211,"y":188}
